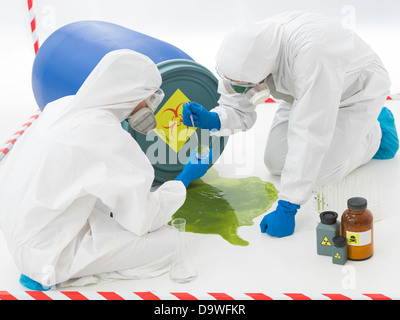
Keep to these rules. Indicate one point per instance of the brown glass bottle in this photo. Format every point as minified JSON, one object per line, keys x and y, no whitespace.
{"x":357,"y":227}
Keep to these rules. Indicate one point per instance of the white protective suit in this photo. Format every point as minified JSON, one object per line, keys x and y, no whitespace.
{"x":332,"y":86}
{"x":74,"y":166}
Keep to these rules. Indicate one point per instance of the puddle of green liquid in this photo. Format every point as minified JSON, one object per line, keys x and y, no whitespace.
{"x":216,"y":205}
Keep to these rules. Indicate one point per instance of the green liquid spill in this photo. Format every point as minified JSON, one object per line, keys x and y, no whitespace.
{"x":216,"y":205}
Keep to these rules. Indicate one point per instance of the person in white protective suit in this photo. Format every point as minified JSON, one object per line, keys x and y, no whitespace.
{"x":76,"y":165}
{"x":332,"y":88}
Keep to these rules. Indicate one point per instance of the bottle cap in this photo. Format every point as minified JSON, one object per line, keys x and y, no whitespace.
{"x":357,"y":204}
{"x":328,"y":217}
{"x":339,"y":241}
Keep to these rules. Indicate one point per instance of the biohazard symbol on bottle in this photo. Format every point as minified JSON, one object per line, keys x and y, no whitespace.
{"x":169,"y":122}
{"x":325,"y":242}
{"x":337,"y":256}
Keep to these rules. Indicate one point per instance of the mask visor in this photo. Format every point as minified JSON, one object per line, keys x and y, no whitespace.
{"x":155,"y":100}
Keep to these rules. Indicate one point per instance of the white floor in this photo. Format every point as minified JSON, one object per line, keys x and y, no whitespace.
{"x":268,"y":265}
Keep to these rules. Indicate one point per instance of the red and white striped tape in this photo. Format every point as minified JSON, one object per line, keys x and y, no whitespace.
{"x":153,"y":295}
{"x":393,"y":96}
{"x":32,"y":19}
{"x":10,"y":143}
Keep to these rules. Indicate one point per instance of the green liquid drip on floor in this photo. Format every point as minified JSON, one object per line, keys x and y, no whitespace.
{"x":216,"y":205}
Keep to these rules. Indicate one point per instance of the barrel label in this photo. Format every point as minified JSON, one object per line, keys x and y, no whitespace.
{"x":169,"y":122}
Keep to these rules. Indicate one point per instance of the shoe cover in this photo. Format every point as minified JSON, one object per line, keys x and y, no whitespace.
{"x":390,"y":141}
{"x":32,"y":284}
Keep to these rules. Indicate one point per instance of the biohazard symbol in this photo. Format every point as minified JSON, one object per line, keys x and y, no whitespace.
{"x":337,"y":256}
{"x":325,"y":242}
{"x":169,"y":122}
{"x":175,"y":120}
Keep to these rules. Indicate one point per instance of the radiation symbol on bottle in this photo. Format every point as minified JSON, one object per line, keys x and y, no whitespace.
{"x":325,"y":242}
{"x":337,"y":255}
{"x":170,"y":126}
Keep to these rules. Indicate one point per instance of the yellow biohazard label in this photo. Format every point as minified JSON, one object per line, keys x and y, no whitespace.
{"x":325,"y":242}
{"x":169,"y":122}
{"x":337,"y":256}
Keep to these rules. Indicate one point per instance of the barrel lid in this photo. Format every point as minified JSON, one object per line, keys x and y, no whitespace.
{"x":328,"y":217}
{"x":168,"y":147}
{"x":339,"y":241}
{"x":357,"y":204}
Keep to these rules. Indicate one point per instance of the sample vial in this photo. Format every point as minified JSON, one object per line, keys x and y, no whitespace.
{"x":182,"y":267}
{"x":326,"y":230}
{"x":339,"y":250}
{"x":357,"y":227}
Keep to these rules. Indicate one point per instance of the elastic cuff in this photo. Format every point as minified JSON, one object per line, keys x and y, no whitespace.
{"x":184,"y":179}
{"x":289,"y":206}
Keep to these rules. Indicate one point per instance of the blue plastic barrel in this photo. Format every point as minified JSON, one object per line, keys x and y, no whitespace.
{"x":67,"y":57}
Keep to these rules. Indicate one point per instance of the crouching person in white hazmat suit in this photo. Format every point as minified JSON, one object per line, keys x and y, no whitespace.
{"x":331,"y":120}
{"x":74,"y":166}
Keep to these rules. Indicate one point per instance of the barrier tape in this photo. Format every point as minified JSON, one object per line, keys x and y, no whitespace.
{"x":10,"y":143}
{"x":5,"y":149}
{"x":393,"y":96}
{"x":32,"y":19}
{"x":153,"y":295}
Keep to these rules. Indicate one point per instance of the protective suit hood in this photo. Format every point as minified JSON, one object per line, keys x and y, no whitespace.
{"x":120,"y":81}
{"x":250,"y":52}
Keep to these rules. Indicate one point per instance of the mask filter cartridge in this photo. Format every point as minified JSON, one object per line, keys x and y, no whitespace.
{"x":258,"y":94}
{"x":143,"y":121}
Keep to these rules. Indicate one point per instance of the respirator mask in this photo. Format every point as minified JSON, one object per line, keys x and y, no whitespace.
{"x":143,"y":120}
{"x":256,"y":92}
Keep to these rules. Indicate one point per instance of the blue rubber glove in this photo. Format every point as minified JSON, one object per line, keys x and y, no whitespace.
{"x":202,"y":118}
{"x":281,"y":222}
{"x":194,"y":168}
{"x":390,"y":141}
{"x":32,"y":284}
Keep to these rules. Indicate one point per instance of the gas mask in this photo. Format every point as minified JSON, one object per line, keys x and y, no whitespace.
{"x":256,"y":92}
{"x":143,"y":120}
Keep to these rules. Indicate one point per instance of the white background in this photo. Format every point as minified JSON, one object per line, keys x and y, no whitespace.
{"x":268,"y":264}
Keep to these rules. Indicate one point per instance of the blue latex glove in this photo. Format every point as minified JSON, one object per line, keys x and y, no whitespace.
{"x":194,"y":168}
{"x":390,"y":141}
{"x":202,"y":118}
{"x":281,"y":222}
{"x":32,"y":284}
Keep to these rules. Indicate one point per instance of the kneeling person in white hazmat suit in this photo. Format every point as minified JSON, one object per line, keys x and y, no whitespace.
{"x":332,"y":88}
{"x":74,"y":166}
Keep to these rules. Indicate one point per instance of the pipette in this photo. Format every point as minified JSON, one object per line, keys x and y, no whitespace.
{"x":202,"y":152}
{"x":194,"y":128}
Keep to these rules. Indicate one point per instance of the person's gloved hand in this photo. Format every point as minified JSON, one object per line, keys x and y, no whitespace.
{"x":194,"y":168}
{"x":202,"y":118}
{"x":281,"y":222}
